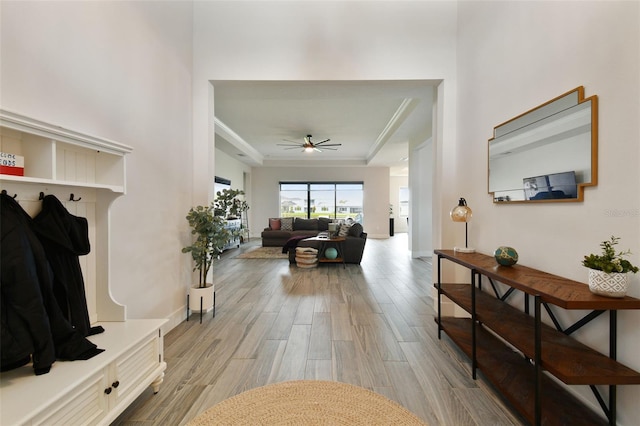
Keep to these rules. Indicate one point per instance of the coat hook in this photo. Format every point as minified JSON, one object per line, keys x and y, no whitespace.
{"x":41,"y":197}
{"x":72,"y":199}
{"x":4,"y":192}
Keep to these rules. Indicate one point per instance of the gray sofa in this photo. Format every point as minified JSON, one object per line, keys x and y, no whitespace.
{"x":280,"y":230}
{"x":353,"y":245}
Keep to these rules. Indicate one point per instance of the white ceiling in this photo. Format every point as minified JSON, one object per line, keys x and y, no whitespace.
{"x":373,"y":120}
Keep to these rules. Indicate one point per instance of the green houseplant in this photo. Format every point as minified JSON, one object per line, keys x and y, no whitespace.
{"x":228,"y":204}
{"x":210,"y":238}
{"x":609,"y":271}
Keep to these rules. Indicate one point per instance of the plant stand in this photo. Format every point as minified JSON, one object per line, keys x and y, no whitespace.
{"x":199,"y":297}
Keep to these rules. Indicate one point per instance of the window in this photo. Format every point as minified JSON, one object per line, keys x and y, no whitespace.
{"x":403,"y":198}
{"x":322,"y":199}
{"x":221,"y":184}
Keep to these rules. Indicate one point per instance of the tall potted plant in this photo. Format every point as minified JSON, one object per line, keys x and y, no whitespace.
{"x":210,"y":238}
{"x":609,"y":271}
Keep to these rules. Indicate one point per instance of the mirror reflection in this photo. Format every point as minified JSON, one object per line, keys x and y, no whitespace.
{"x":548,"y":154}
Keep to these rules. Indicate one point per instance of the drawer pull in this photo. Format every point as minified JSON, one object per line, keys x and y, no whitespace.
{"x":115,"y":384}
{"x":107,"y":391}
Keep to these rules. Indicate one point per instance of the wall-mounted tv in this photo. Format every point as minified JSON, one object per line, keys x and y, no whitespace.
{"x":551,"y":186}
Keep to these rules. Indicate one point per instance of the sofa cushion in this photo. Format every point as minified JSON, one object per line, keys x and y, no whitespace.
{"x":305,"y":224}
{"x":323,"y":223}
{"x":355,"y":230}
{"x":286,"y":223}
{"x":275,"y":224}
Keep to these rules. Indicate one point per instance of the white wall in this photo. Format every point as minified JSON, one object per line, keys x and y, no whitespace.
{"x":266,"y":193}
{"x":421,"y":168}
{"x":513,"y":56}
{"x":122,"y":71}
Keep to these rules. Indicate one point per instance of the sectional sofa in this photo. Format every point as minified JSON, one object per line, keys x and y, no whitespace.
{"x":293,"y":231}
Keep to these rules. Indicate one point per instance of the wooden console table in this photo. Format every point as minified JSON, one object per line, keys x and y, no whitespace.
{"x":519,"y":376}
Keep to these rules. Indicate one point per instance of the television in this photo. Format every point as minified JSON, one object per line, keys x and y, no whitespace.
{"x":552,"y":186}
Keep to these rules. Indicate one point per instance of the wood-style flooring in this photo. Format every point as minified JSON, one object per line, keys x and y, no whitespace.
{"x":370,"y":325}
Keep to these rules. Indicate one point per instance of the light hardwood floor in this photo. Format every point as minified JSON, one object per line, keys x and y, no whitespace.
{"x":370,"y":325}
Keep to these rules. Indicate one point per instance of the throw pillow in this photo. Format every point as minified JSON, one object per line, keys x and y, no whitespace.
{"x":344,"y":230}
{"x":275,"y":224}
{"x":355,"y":230}
{"x":286,"y":223}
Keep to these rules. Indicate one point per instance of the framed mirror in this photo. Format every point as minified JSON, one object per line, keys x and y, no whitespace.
{"x":547,"y":154}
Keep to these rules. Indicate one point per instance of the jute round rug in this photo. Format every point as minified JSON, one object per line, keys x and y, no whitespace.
{"x":307,"y":402}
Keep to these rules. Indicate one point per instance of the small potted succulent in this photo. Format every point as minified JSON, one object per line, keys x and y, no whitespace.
{"x":609,"y":271}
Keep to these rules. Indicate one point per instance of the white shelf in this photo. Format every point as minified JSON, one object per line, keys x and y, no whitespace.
{"x":119,"y":189}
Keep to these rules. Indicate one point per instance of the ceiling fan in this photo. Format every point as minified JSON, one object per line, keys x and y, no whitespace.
{"x":309,"y":146}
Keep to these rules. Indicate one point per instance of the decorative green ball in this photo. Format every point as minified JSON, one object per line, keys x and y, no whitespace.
{"x":331,"y":253}
{"x":506,"y":256}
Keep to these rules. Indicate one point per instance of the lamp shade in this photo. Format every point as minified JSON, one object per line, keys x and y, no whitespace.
{"x":461,"y":212}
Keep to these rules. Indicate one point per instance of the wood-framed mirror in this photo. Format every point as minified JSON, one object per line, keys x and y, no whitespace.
{"x":547,"y":154}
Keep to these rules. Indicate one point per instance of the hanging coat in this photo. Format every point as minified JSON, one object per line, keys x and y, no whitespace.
{"x":64,"y":238}
{"x":32,"y":324}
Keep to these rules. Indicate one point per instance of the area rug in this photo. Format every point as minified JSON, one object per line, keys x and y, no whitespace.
{"x":307,"y":402}
{"x":264,"y":253}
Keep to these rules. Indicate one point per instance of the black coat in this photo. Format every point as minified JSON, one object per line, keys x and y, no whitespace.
{"x":32,"y":322}
{"x":64,"y":237}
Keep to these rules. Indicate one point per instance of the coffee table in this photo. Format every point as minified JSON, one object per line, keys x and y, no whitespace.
{"x":337,"y":242}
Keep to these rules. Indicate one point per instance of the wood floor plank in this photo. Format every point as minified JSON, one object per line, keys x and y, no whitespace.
{"x":318,"y":369}
{"x":400,"y":328}
{"x":257,"y":333}
{"x":294,"y":359}
{"x":370,"y":363}
{"x":320,"y":339}
{"x":304,"y":313}
{"x":340,"y":322}
{"x":409,"y":392}
{"x":345,"y":365}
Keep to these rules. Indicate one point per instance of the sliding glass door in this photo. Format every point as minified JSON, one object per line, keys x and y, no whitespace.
{"x":335,"y":200}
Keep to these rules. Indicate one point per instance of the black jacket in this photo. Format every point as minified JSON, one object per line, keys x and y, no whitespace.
{"x":64,"y":237}
{"x":32,"y":323}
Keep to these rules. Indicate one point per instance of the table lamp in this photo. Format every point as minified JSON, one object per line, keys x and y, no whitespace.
{"x":462,"y":213}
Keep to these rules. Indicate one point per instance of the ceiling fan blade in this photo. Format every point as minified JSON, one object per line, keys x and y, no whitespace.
{"x":316,"y":149}
{"x":283,"y":144}
{"x":291,"y":147}
{"x":321,"y":142}
{"x":331,"y":144}
{"x":289,"y":140}
{"x":329,"y":149}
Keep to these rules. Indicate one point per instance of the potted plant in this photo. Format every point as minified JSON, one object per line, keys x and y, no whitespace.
{"x":210,"y":238}
{"x":609,"y":271}
{"x":228,"y":205}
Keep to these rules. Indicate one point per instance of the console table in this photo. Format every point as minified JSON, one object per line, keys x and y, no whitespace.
{"x":519,"y":375}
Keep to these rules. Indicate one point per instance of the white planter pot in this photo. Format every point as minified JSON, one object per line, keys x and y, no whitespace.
{"x":613,"y":284}
{"x":206,"y":293}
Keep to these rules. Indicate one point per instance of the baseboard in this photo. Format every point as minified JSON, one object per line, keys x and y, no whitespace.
{"x":174,"y":319}
{"x":421,"y":253}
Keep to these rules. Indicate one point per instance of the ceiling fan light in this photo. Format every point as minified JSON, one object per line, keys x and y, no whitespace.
{"x":308,"y":149}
